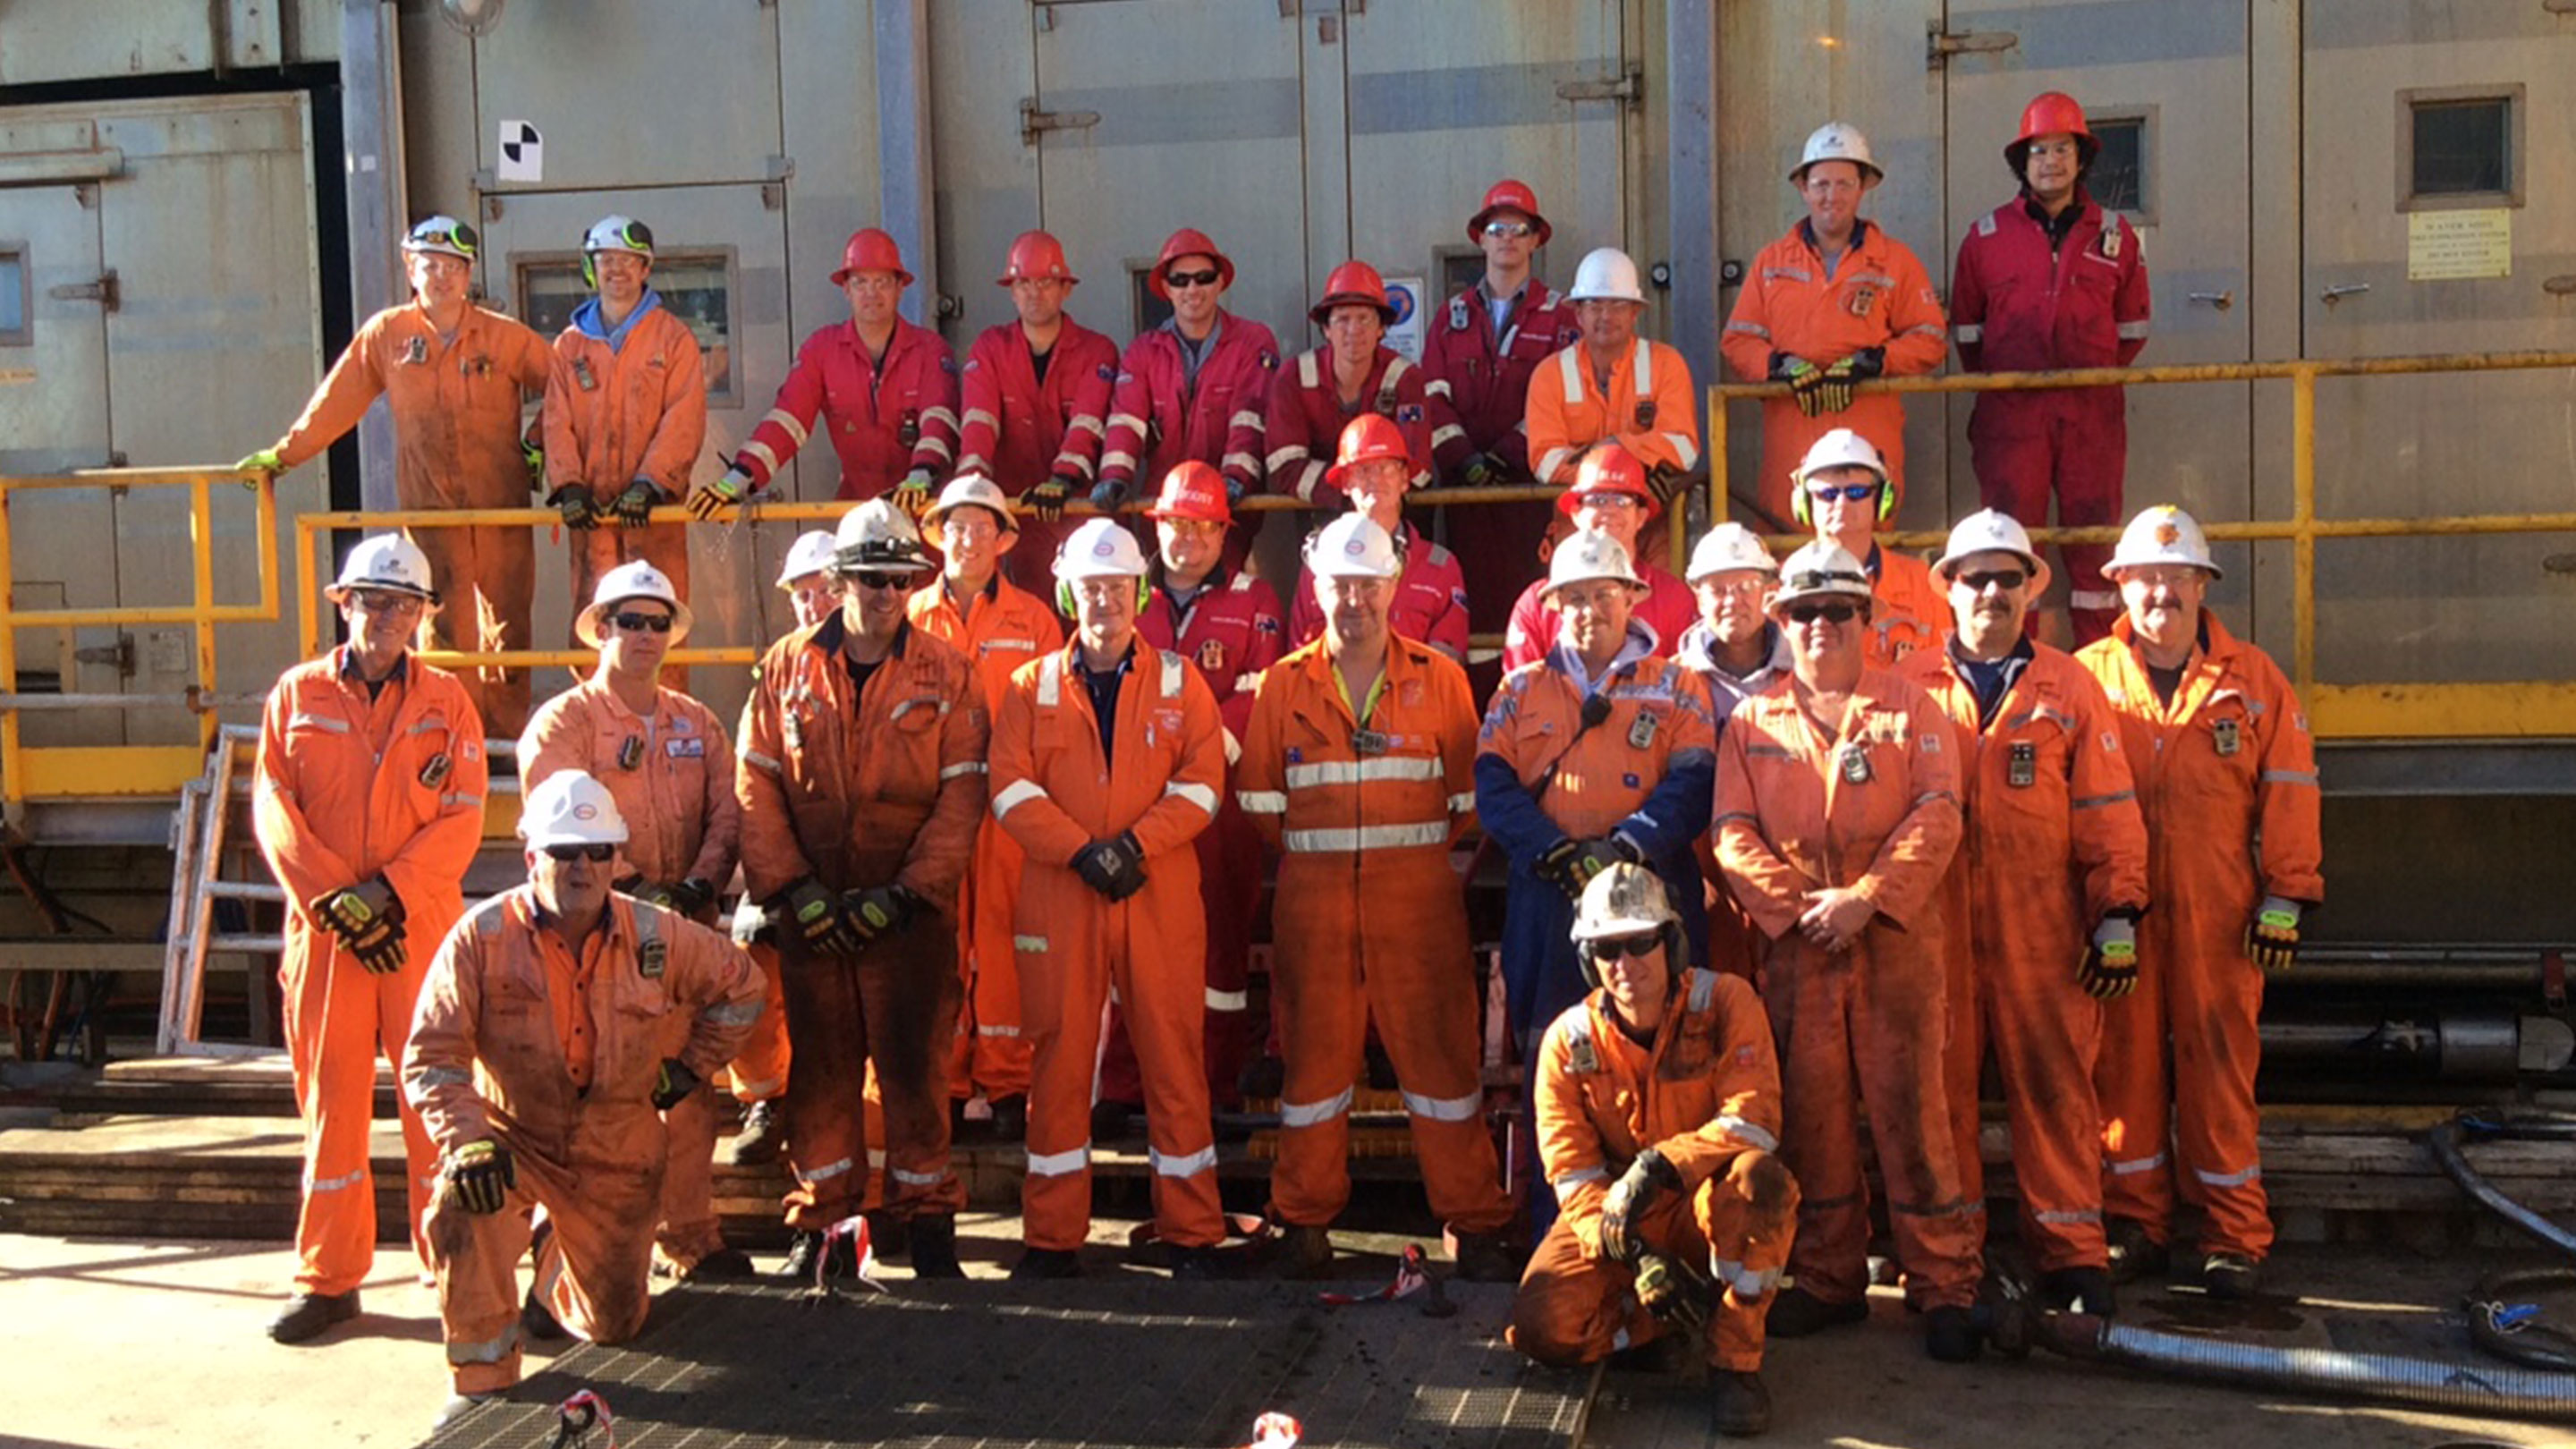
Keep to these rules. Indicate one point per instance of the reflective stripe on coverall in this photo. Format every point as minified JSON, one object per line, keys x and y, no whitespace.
{"x":347,"y":789}
{"x":2052,"y":843}
{"x":618,"y":414}
{"x":1018,"y":430}
{"x":1706,"y":1092}
{"x":1477,"y":387}
{"x":1652,"y":410}
{"x":865,"y":412}
{"x":456,"y":408}
{"x":1371,"y":923}
{"x":2227,"y":780}
{"x":1430,"y":604}
{"x":1056,"y":794}
{"x":1861,"y":1028}
{"x":1306,"y":415}
{"x":860,"y":788}
{"x":1159,"y":414}
{"x":487,"y":1063}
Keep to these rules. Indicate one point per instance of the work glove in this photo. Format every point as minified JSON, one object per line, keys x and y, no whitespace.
{"x":1556,"y":866}
{"x":2272,"y":937}
{"x":263,"y":461}
{"x":815,"y":915}
{"x":1049,"y":498}
{"x":750,"y":923}
{"x":1235,"y":489}
{"x":673,"y":1084}
{"x":1833,"y":391}
{"x":480,"y":1176}
{"x":1591,"y":857}
{"x":1664,"y":480}
{"x":1108,"y":494}
{"x":1630,"y":1199}
{"x":1803,"y":377}
{"x":367,"y":917}
{"x":383,"y":955}
{"x":1671,"y":1292}
{"x":709,"y":499}
{"x":634,"y":507}
{"x":535,"y":457}
{"x":2110,"y":965}
{"x":880,"y":910}
{"x":1115,"y":867}
{"x":579,"y":507}
{"x":912,"y":495}
{"x":691,"y":895}
{"x":1481,"y":471}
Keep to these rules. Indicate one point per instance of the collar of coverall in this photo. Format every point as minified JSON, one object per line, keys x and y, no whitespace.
{"x":399,"y":674}
{"x":1859,"y":236}
{"x":834,"y":631}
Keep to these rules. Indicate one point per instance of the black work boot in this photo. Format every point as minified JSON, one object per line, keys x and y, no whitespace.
{"x":1489,"y":1257}
{"x":1039,"y":1264}
{"x":934,"y":1247}
{"x":537,"y":1319}
{"x":306,"y":1315}
{"x":2133,"y":1254}
{"x":1306,"y":1252}
{"x":1796,"y":1313}
{"x":1011,"y":1118}
{"x":1950,"y":1335}
{"x":763,"y":1136}
{"x":889,"y":1237}
{"x":1739,"y":1407}
{"x":2233,"y":1277}
{"x":724,"y":1264}
{"x":2078,"y":1290}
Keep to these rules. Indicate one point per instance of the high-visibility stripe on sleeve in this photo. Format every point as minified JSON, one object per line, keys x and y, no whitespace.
{"x":1248,"y":418}
{"x":2090,"y":802}
{"x":1747,"y":1283}
{"x":1566,"y":1183}
{"x":759,"y":761}
{"x":1923,"y":329}
{"x":1436,"y":387}
{"x":1749,"y":329}
{"x":731,"y":1013}
{"x":938,"y":415}
{"x":460,"y":797}
{"x":2238,"y":1178}
{"x":978,"y":415}
{"x":1228,"y":1000}
{"x":1969,"y":333}
{"x":1462,"y":802}
{"x":1028,"y":943}
{"x":1082,"y":423}
{"x":2132,"y":1166}
{"x":1015,"y":795}
{"x":917,"y":1179}
{"x":1306,"y":481}
{"x":1128,"y":421}
{"x":1551,"y":460}
{"x":1446,"y":433}
{"x":1197,"y":794}
{"x":963,"y":767}
{"x":760,"y":451}
{"x":789,"y":424}
{"x":1751,"y":1133}
{"x":1684,"y":449}
{"x":1283,"y":455}
{"x":2288,"y":777}
{"x":1240,"y":462}
{"x":2132,"y":331}
{"x":1262,"y":802}
{"x":828,"y":1171}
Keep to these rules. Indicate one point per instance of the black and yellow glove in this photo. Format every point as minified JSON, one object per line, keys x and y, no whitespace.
{"x":480,"y":1176}
{"x":673,"y":1084}
{"x":880,"y":910}
{"x":1630,"y":1199}
{"x":575,"y":504}
{"x":2110,"y":965}
{"x":709,"y":499}
{"x":634,"y":507}
{"x":815,"y":915}
{"x":2272,"y":937}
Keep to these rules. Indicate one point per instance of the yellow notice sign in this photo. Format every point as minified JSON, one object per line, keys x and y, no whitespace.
{"x":2443,"y":246}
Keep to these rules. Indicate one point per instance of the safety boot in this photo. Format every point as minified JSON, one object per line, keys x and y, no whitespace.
{"x":889,"y":1237}
{"x":763,"y":1136}
{"x":2230,"y":1276}
{"x":934,"y":1247}
{"x":1796,"y":1313}
{"x":1306,"y":1252}
{"x":2078,"y":1290}
{"x":1950,"y":1335}
{"x":306,"y":1315}
{"x":808,"y":1249}
{"x":1041,"y":1264}
{"x":1011,"y":1118}
{"x":2134,"y":1254}
{"x":537,"y":1321}
{"x":1488,"y":1257}
{"x":1739,"y":1407}
{"x":722,"y":1265}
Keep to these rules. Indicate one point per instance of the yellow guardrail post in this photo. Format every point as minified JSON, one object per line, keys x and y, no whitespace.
{"x":13,"y":777}
{"x":2303,"y":519}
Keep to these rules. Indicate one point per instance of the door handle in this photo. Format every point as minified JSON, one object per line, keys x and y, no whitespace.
{"x":2220,"y":300}
{"x":2332,"y":295}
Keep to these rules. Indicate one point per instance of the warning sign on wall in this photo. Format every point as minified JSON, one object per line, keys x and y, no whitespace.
{"x":1405,"y":333}
{"x":2443,"y":246}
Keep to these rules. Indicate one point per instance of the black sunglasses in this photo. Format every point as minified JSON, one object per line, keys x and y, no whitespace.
{"x":639,"y":623}
{"x":596,"y":854}
{"x":1192,"y":279}
{"x":1999,"y":579}
{"x":1848,"y":492}
{"x":875,"y":580}
{"x":1806,"y":613}
{"x":1613,"y":947}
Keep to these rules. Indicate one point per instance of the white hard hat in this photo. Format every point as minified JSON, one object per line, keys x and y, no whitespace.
{"x":2163,"y":534}
{"x":1625,"y":900}
{"x":386,"y":561}
{"x":568,"y":807}
{"x":978,"y":490}
{"x":637,"y":580}
{"x":1840,"y":448}
{"x":1837,"y":141}
{"x":1823,"y":569}
{"x":444,"y":235}
{"x":1727,"y":547}
{"x":618,"y":234}
{"x":1986,"y":531}
{"x":877,"y":535}
{"x":811,"y":553}
{"x":1099,"y":549}
{"x":1590,"y":554}
{"x":1605,"y":275}
{"x":1353,"y":546}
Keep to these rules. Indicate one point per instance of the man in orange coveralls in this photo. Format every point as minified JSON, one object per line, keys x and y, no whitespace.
{"x":1844,"y":496}
{"x":367,"y":802}
{"x":1107,"y":759}
{"x":668,"y":762}
{"x":455,"y":378}
{"x":557,"y":1024}
{"x":2227,"y":779}
{"x":1658,"y":1118}
{"x":1837,"y":813}
{"x":1359,"y":766}
{"x":2042,"y":901}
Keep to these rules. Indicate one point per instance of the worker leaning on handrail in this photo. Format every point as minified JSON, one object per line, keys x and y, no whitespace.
{"x":1036,"y":395}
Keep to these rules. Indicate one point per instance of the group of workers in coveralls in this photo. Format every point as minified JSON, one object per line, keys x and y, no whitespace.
{"x":1788,"y":842}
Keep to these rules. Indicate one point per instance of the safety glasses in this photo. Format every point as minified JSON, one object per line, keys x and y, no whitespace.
{"x":1804,"y":612}
{"x":642,"y":623}
{"x":595,"y":854}
{"x":386,"y":601}
{"x":1178,"y":280}
{"x":1611,"y":948}
{"x":1848,"y":492}
{"x":1502,"y":230}
{"x":2005,"y":579}
{"x":871,"y":579}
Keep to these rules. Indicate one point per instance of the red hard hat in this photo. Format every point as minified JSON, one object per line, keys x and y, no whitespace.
{"x":1509,"y":195}
{"x":2051,"y":111}
{"x":1608,"y":468}
{"x":1193,"y":490}
{"x":1037,"y":254}
{"x":871,"y":250}
{"x":1189,"y":241}
{"x":1354,"y":283}
{"x":1367,"y":438}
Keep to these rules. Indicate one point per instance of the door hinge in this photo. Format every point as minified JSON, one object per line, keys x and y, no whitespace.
{"x":120,"y":654}
{"x":1035,"y":123}
{"x":1940,"y":45}
{"x":103,"y":291}
{"x":1628,"y":87}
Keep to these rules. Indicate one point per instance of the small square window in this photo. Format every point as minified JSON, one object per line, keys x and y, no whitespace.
{"x":2462,"y":147}
{"x":15,"y":302}
{"x":1149,"y":309}
{"x":2118,"y":179}
{"x":696,"y":286}
{"x":1460,"y":268}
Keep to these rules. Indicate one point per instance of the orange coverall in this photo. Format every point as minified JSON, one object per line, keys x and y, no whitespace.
{"x":1652,"y":410}
{"x":1876,"y":295}
{"x":455,"y":407}
{"x":1008,"y":627}
{"x":2052,"y":844}
{"x":1861,"y":1028}
{"x":682,"y":823}
{"x":348,"y":788}
{"x":1909,"y":610}
{"x":615,"y":415}
{"x":1055,"y":793}
{"x":2227,"y":780}
{"x":553,"y":1054}
{"x":1371,"y":921}
{"x":1706,"y":1092}
{"x":860,"y":788}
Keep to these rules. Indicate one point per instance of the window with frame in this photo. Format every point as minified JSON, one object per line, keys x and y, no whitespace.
{"x":1148,"y":309}
{"x":17,"y":300}
{"x":2118,"y":178}
{"x":2460,"y":148}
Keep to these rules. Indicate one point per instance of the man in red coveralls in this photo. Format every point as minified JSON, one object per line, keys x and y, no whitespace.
{"x":1191,"y":387}
{"x":1037,"y":399}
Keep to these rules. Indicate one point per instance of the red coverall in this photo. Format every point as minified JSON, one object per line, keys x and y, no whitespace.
{"x":2020,"y":302}
{"x":1019,"y":430}
{"x":347,"y":789}
{"x":2227,"y":779}
{"x":1304,"y":422}
{"x":1007,"y":628}
{"x":1231,"y":631}
{"x":1668,"y":608}
{"x":1159,"y":414}
{"x":1909,"y":610}
{"x":614,"y":415}
{"x":1706,"y":1092}
{"x":1477,"y":385}
{"x":1651,"y":410}
{"x":682,"y":823}
{"x":1863,"y":1028}
{"x":1372,"y":922}
{"x":884,"y":423}
{"x":2052,"y":844}
{"x":1055,"y":792}
{"x":1430,"y":599}
{"x":1878,"y":295}
{"x":858,"y":788}
{"x":455,"y":406}
{"x":554,"y":1055}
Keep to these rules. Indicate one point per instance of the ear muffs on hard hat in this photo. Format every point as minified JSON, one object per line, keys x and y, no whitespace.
{"x":613,"y":234}
{"x":1804,"y":512}
{"x":1064,"y":600}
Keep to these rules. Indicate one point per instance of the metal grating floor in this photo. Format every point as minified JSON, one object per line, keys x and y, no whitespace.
{"x":1109,"y":1363}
